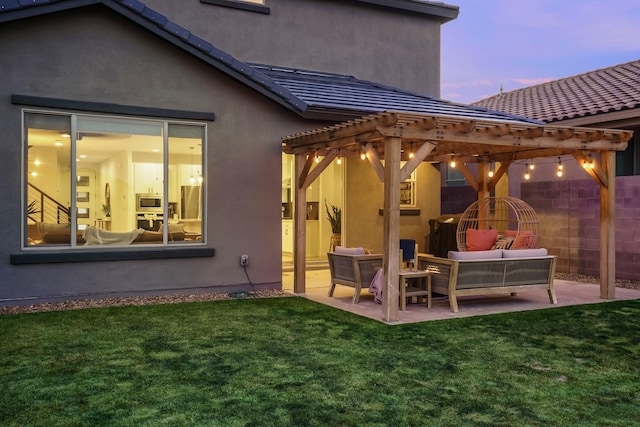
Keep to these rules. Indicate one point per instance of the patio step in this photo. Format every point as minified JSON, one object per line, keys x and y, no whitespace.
{"x":318,"y":264}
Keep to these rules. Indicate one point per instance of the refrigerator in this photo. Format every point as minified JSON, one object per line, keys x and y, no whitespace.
{"x":190,"y":202}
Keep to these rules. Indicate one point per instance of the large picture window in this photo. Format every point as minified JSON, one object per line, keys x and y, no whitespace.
{"x":100,"y":181}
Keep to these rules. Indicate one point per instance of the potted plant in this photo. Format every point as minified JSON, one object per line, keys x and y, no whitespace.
{"x":106,"y":209}
{"x":32,"y":210}
{"x":334,"y":215}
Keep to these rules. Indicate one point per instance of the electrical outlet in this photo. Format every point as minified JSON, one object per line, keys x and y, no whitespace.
{"x":244,"y":260}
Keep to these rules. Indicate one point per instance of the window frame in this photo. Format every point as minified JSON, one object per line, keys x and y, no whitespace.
{"x":74,"y":252}
{"x":411,"y":183}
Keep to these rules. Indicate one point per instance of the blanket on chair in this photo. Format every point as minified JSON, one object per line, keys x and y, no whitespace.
{"x":96,"y":236}
{"x":376,"y":286}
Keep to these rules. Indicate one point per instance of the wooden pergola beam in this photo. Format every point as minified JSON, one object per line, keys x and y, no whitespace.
{"x":608,"y":227}
{"x":391,"y":221}
{"x":418,"y":158}
{"x":375,"y":161}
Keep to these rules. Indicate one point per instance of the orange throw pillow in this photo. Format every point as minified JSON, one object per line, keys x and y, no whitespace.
{"x":524,"y":240}
{"x":481,"y":240}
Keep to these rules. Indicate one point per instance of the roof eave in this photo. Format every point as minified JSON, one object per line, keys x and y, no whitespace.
{"x":443,"y":12}
{"x":37,"y":9}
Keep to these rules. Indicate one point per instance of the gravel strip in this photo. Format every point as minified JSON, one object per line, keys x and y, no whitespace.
{"x":137,"y":300}
{"x":620,"y":283}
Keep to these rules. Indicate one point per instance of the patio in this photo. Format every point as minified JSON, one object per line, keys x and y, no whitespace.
{"x":463,"y":136}
{"x":568,"y":293}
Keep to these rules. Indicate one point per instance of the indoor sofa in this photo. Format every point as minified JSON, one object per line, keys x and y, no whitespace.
{"x":52,"y":234}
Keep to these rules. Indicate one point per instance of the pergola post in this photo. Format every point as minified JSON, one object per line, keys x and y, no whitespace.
{"x":300,"y":226}
{"x":608,"y":227}
{"x":391,"y":258}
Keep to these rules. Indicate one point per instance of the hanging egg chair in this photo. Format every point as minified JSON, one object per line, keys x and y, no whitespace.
{"x":514,"y":220}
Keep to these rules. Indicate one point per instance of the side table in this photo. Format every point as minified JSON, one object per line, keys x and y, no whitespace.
{"x":407,"y":291}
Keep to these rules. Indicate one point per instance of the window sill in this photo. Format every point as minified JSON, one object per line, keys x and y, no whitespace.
{"x":239,"y":5}
{"x":29,"y":257}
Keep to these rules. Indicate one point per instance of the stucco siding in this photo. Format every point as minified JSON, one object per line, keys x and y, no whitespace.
{"x":97,"y":56}
{"x":364,"y":224}
{"x":392,"y":47}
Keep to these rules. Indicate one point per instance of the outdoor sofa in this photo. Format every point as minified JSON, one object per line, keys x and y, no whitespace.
{"x":487,"y":272}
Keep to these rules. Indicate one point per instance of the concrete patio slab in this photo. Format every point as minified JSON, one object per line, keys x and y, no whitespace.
{"x":568,"y":293}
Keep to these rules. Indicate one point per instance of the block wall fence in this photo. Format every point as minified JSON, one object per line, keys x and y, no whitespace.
{"x":569,"y":213}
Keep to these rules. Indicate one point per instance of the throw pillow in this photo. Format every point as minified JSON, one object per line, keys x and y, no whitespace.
{"x":525,"y":240}
{"x":481,"y":240}
{"x":349,"y":251}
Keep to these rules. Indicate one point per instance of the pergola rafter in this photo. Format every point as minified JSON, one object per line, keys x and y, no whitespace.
{"x":392,"y":135}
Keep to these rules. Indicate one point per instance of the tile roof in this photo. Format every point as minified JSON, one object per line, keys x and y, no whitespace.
{"x":314,"y":95}
{"x":344,"y":96}
{"x":606,"y":90}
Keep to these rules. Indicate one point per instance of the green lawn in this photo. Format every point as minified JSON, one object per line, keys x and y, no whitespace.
{"x":290,"y":361}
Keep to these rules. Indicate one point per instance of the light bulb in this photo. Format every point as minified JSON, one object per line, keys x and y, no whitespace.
{"x":527,"y":176}
{"x":192,"y":180}
{"x":339,"y":160}
{"x":363,"y":156}
{"x":490,"y":173}
{"x":532,"y":166}
{"x":452,"y":164}
{"x":559,"y":173}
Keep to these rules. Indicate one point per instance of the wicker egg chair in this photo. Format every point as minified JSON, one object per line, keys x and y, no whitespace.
{"x":508,"y":215}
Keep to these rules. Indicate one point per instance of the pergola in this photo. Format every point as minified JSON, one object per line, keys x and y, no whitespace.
{"x":392,"y":135}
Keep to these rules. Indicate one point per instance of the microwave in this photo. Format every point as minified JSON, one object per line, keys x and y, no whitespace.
{"x":149,"y":203}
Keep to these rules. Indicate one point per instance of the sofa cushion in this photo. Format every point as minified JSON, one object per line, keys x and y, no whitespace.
{"x":349,"y":251}
{"x":481,"y":240}
{"x":45,"y":227}
{"x":156,"y":236}
{"x":475,"y":255}
{"x":173,"y":228}
{"x":524,"y":253}
{"x":58,"y":238}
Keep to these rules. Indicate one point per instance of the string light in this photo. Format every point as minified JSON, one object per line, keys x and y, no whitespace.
{"x":560,"y":168}
{"x":452,"y":163}
{"x":411,"y":152}
{"x":339,"y":161}
{"x":526,"y":172}
{"x":532,"y":166}
{"x":491,"y":170}
{"x":363,"y":153}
